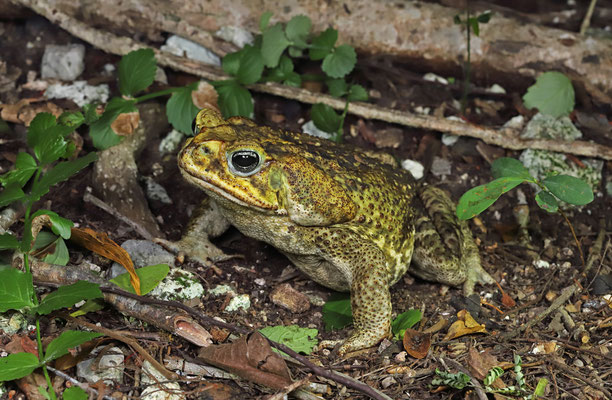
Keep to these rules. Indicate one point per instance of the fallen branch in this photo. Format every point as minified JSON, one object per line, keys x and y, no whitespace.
{"x":506,"y":138}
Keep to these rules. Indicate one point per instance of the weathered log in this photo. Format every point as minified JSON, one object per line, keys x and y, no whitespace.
{"x":409,"y":29}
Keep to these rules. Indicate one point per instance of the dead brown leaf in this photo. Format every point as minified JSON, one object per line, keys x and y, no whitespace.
{"x":417,"y":343}
{"x":465,"y":325}
{"x":205,"y":96}
{"x":100,"y":243}
{"x":252,"y":358}
{"x":126,"y":123}
{"x":479,"y":363}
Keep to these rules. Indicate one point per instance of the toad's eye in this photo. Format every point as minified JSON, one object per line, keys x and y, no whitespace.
{"x":244,"y":162}
{"x":194,"y":127}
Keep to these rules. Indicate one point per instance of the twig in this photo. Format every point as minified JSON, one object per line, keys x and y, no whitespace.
{"x":75,"y":382}
{"x":506,"y":137}
{"x":565,"y":293}
{"x":350,"y":383}
{"x":141,"y":230}
{"x":130,"y":342}
{"x":573,"y":372}
{"x":586,"y":22}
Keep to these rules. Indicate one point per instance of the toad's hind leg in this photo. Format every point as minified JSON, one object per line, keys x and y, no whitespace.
{"x":444,"y":249}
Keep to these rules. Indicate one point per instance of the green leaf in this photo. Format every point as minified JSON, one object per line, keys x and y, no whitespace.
{"x":323,"y":44}
{"x":180,"y":109}
{"x":540,"y":387}
{"x":506,"y":166}
{"x":569,"y":189}
{"x":337,"y":312}
{"x":340,"y":62}
{"x":273,"y":44}
{"x":264,"y":20}
{"x":547,"y":201}
{"x":473,"y":23}
{"x":25,"y":167}
{"x":74,"y":393}
{"x":357,"y":93}
{"x":46,"y":138}
{"x":251,"y":65}
{"x":298,"y":29}
{"x":150,"y":276}
{"x":60,"y":255}
{"x":337,"y":87}
{"x":478,"y":199}
{"x":231,"y":63}
{"x":60,"y":172}
{"x":73,"y":119}
{"x":101,"y":132}
{"x":136,"y":71}
{"x":44,"y":239}
{"x":67,"y":296}
{"x":458,"y":380}
{"x":300,"y":340}
{"x":8,"y":241}
{"x":16,"y":290}
{"x":91,"y":113}
{"x":38,"y":128}
{"x":59,"y":225}
{"x":11,"y":194}
{"x":67,"y":340}
{"x":89,"y":306}
{"x":325,"y":118}
{"x":234,"y":99}
{"x":18,"y":365}
{"x":552,"y":94}
{"x":484,"y":17}
{"x":492,"y":375}
{"x":405,"y":320}
{"x":293,"y":79}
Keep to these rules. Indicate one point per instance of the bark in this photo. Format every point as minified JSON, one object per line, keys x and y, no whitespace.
{"x":422,"y":32}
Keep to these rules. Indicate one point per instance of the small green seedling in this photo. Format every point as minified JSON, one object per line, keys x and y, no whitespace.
{"x":510,"y":173}
{"x":472,"y":25}
{"x":271,"y":59}
{"x":31,"y":179}
{"x":460,"y":381}
{"x":136,"y":74}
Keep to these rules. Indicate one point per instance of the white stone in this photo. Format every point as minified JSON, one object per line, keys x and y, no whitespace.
{"x":182,"y":47}
{"x":79,"y":92}
{"x":414,"y":167}
{"x":310,"y":128}
{"x":63,"y":62}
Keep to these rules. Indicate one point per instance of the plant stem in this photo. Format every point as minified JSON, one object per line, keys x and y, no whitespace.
{"x":153,"y":95}
{"x":338,"y":137}
{"x":467,"y":65}
{"x":575,"y":237}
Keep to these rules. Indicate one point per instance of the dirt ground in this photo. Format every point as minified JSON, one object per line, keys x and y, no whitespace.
{"x":578,"y":365}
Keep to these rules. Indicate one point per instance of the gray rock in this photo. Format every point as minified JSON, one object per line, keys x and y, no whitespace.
{"x":109,"y":368}
{"x":63,"y":62}
{"x":186,"y":48}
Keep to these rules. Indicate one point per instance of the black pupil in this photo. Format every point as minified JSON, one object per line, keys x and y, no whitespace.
{"x":194,"y":127}
{"x":245,"y":161}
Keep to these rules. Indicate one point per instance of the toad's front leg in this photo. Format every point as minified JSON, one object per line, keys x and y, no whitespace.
{"x":370,"y":297}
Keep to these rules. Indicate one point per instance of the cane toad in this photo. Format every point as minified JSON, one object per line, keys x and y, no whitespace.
{"x":347,"y":220}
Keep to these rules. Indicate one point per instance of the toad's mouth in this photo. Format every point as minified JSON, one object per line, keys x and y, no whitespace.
{"x":198,"y":180}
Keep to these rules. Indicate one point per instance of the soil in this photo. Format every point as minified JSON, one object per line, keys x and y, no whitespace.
{"x":580,"y":366}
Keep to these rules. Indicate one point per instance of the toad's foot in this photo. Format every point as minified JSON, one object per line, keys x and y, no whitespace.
{"x":206,"y":221}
